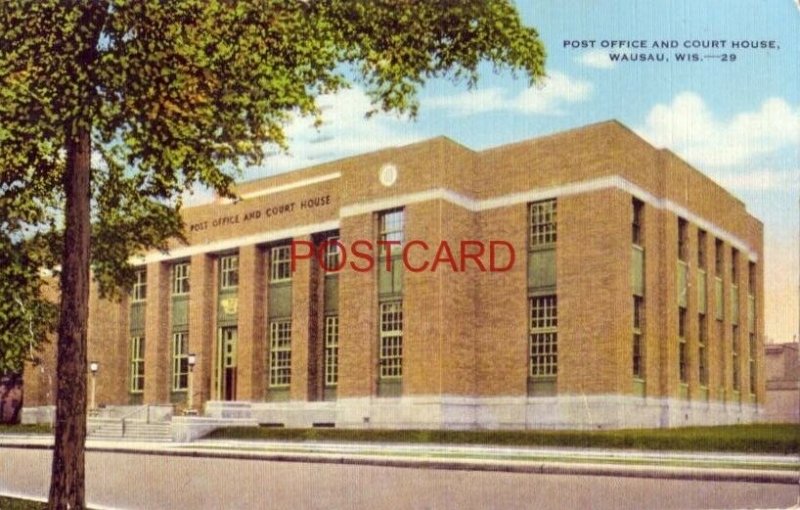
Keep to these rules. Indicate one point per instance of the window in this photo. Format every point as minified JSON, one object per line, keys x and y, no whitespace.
{"x":752,"y":362}
{"x":718,"y":258}
{"x":139,"y":290}
{"x":391,"y":225}
{"x":735,"y":358}
{"x":280,"y":259}
{"x":683,"y":240}
{"x":751,"y":278}
{"x":280,"y":353}
{"x":137,"y":364}
{"x":543,"y":333}
{"x":332,"y":254}
{"x":734,"y":266}
{"x":638,"y":347}
{"x":702,"y":350}
{"x":180,"y":361}
{"x":702,"y":259}
{"x":391,"y":340}
{"x":229,"y":272}
{"x":722,"y":359}
{"x":180,"y":279}
{"x":331,"y":350}
{"x":682,"y":367}
{"x":637,"y":222}
{"x":542,"y":221}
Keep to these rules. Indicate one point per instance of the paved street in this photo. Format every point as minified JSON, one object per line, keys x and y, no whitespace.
{"x":158,"y":479}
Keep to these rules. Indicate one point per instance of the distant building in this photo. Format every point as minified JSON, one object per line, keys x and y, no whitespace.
{"x":634,"y":296}
{"x":782,"y":368}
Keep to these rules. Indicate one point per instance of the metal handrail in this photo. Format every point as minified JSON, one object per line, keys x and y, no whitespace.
{"x":121,"y":419}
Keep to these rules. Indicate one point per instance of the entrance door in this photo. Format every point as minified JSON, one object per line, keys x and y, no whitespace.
{"x":226,"y":363}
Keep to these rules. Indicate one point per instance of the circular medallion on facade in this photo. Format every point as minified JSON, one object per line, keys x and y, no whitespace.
{"x":388,"y":174}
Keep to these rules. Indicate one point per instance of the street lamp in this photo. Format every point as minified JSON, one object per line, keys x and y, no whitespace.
{"x":192,"y":360}
{"x":94,"y":366}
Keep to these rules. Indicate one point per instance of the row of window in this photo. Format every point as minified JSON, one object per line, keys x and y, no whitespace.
{"x":702,"y":346}
{"x":280,"y":270}
{"x":702,"y":256}
{"x":280,"y":361}
{"x":543,"y":330}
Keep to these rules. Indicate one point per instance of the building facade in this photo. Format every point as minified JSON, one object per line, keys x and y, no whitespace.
{"x":584,"y":279}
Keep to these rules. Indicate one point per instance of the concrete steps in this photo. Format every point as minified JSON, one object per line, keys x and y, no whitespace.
{"x":129,"y":430}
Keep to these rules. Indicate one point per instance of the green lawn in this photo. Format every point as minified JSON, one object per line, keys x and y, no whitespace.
{"x":26,"y":429}
{"x":20,"y":504}
{"x":759,"y":438}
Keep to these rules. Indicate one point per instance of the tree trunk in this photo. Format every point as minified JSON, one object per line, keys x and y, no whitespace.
{"x":67,"y":479}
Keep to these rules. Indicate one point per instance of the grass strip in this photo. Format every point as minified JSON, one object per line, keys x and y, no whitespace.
{"x":20,"y":504}
{"x":38,"y":428}
{"x":753,"y":438}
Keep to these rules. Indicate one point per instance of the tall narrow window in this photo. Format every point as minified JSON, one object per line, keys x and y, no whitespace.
{"x":391,"y":341}
{"x":391,"y":227}
{"x":331,"y":350}
{"x":542,"y":223}
{"x":637,"y":222}
{"x":333,"y":253}
{"x":180,"y":361}
{"x":752,"y":362}
{"x":137,"y":364}
{"x":543,"y":331}
{"x":682,"y":365}
{"x":702,"y":350}
{"x":721,"y":353}
{"x":180,"y":279}
{"x":718,"y":258}
{"x":638,"y":346}
{"x":702,"y":258}
{"x":735,"y":358}
{"x":139,"y":290}
{"x":734,"y":266}
{"x":280,"y":353}
{"x":280,"y":264}
{"x":683,"y":240}
{"x":229,"y":272}
{"x":751,"y":324}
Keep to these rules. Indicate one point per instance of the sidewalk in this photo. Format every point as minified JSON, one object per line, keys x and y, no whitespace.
{"x":734,"y":467}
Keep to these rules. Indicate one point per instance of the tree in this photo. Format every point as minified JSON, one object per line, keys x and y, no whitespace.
{"x":27,"y":317}
{"x":131,"y":102}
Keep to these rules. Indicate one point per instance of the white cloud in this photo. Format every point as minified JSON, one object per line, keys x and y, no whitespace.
{"x":688,"y":127}
{"x":597,"y":59}
{"x":344,"y":132}
{"x":556,"y":90}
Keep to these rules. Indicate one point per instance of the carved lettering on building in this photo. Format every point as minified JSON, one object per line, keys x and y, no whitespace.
{"x":270,"y":211}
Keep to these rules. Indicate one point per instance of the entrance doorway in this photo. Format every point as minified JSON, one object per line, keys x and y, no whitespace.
{"x":225,"y":383}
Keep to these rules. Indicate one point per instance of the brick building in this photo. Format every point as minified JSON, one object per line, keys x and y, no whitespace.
{"x":627,"y":291}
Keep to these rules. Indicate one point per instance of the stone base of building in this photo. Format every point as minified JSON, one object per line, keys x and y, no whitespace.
{"x":449,"y":412}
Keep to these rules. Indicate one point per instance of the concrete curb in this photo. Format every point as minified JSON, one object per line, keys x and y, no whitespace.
{"x":494,"y":465}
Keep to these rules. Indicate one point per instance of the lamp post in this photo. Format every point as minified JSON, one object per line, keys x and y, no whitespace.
{"x":192,"y":360}
{"x":93,"y":368}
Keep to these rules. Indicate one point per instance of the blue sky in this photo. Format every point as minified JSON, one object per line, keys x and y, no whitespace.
{"x":738,"y":122}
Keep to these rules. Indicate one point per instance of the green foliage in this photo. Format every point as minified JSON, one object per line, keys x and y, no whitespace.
{"x":25,"y":315}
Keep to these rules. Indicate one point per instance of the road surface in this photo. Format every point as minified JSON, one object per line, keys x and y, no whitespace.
{"x":157,"y":480}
